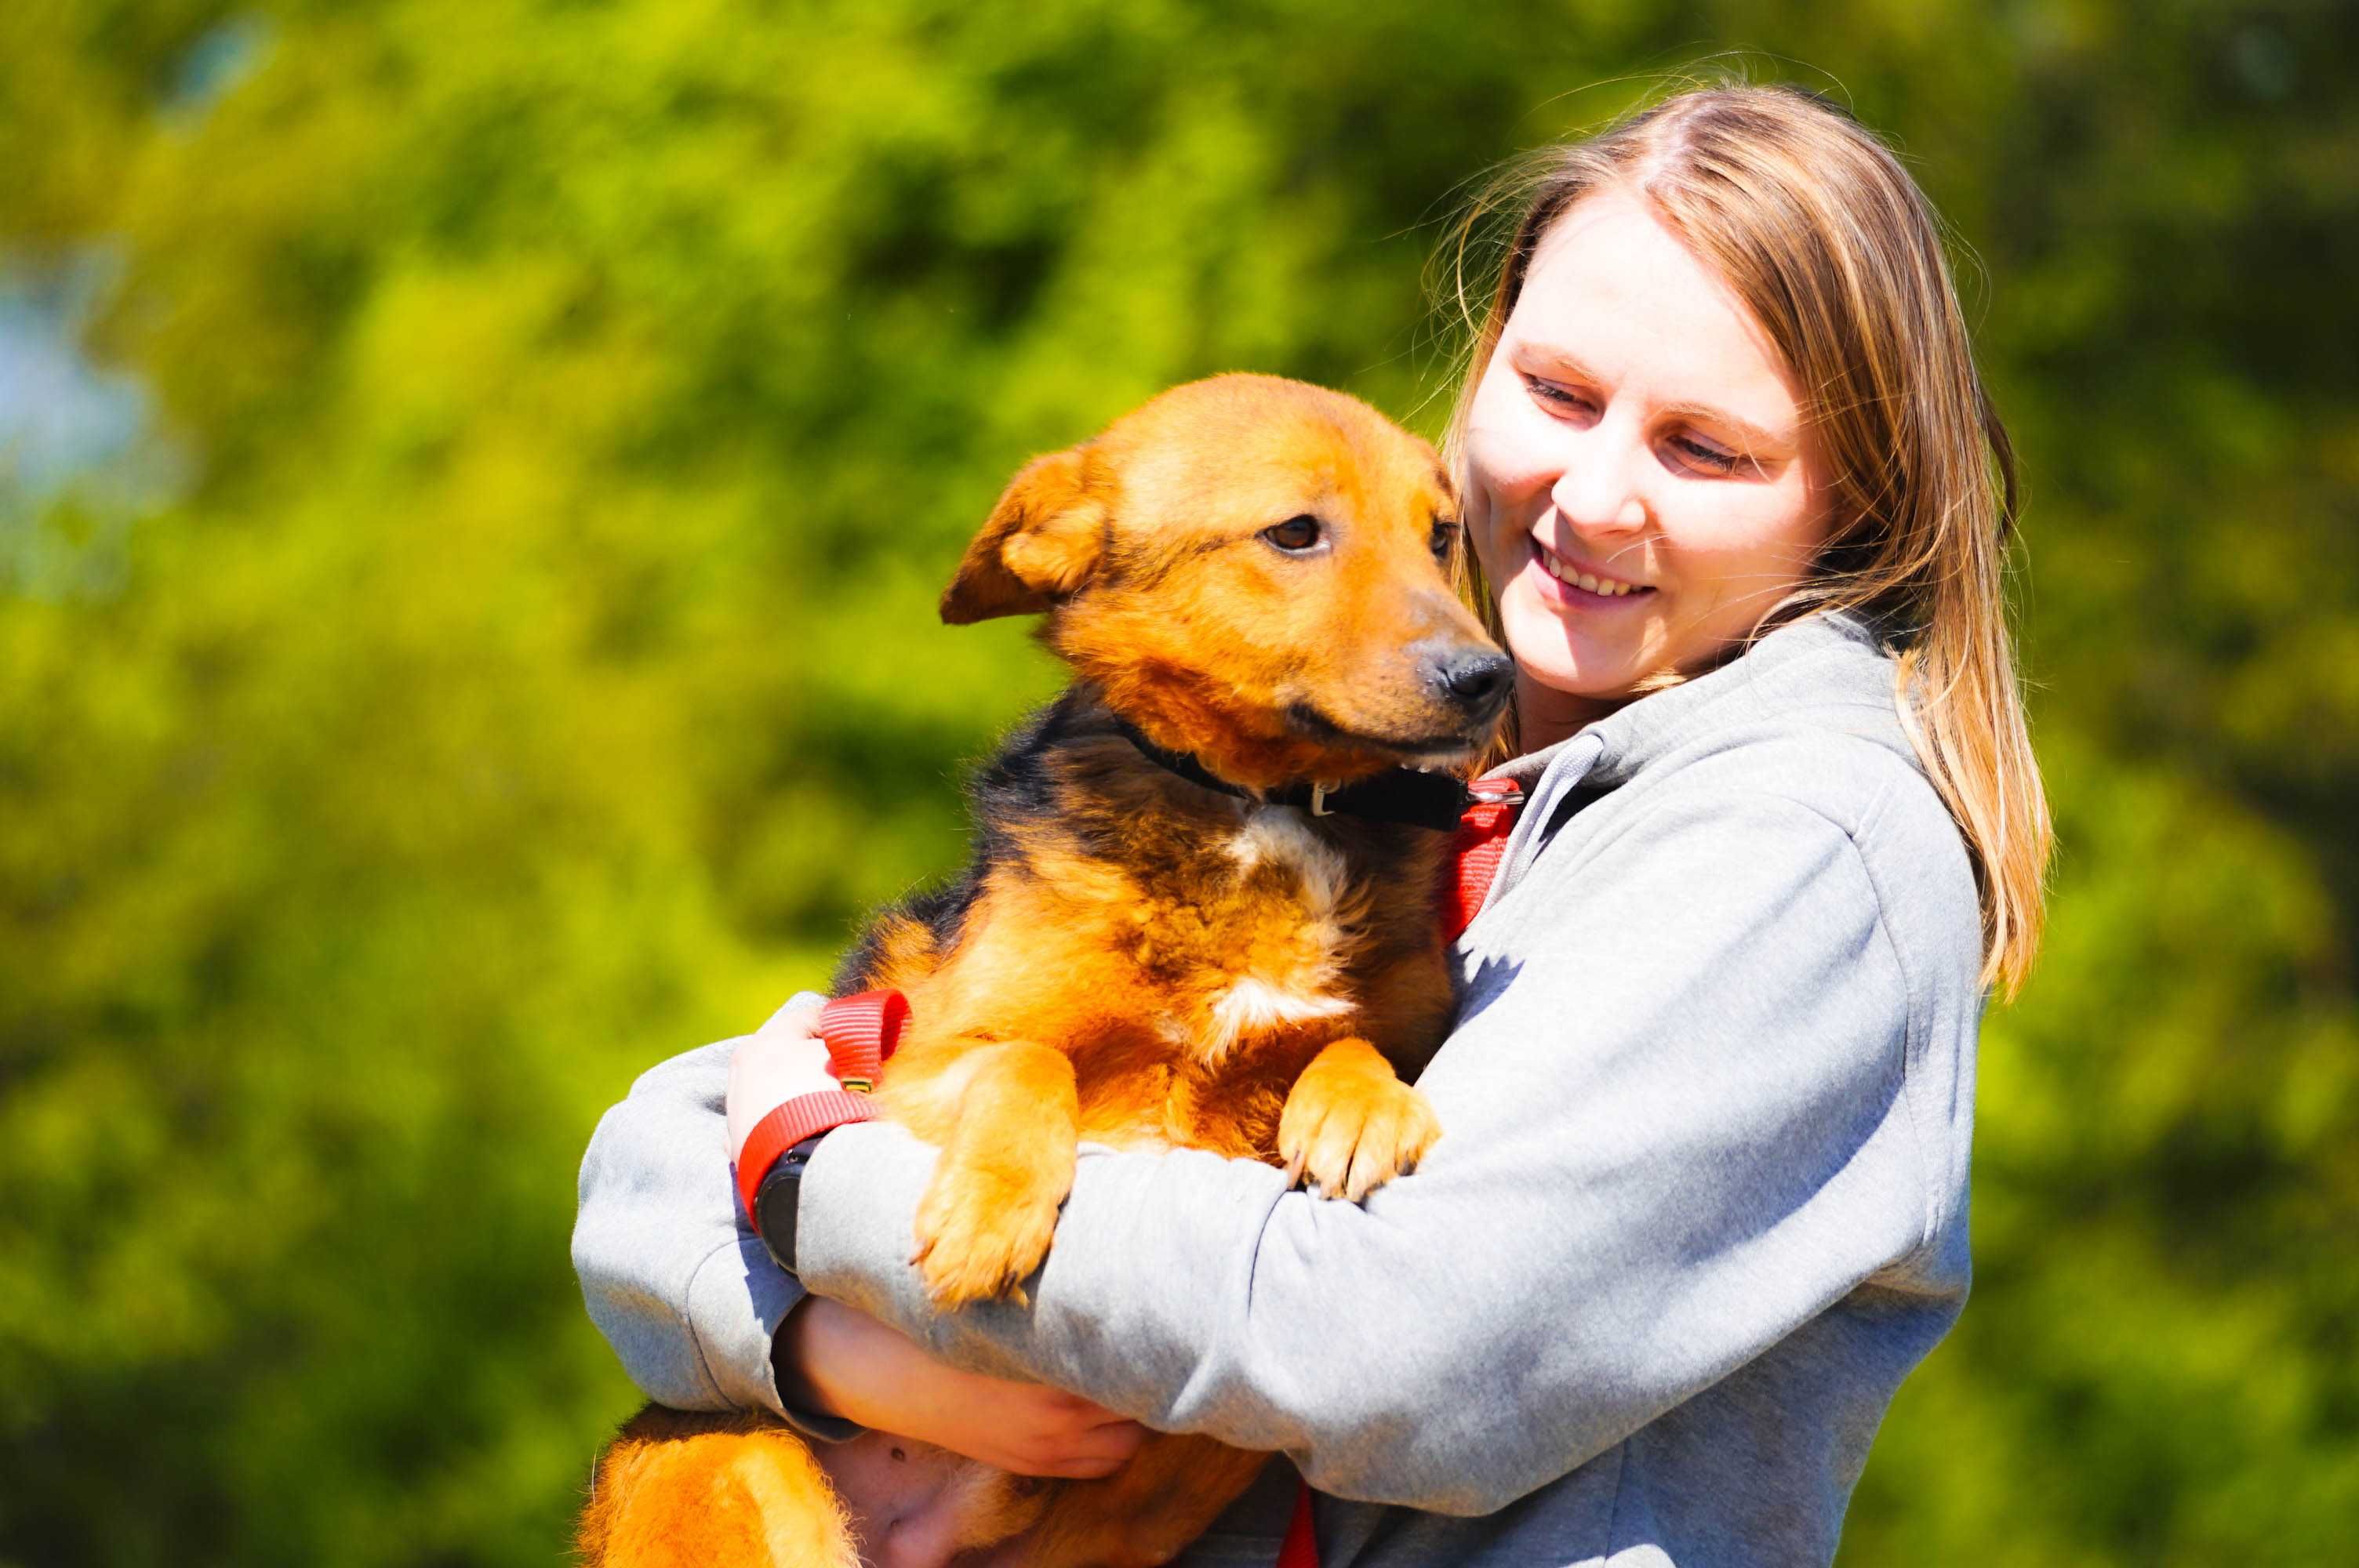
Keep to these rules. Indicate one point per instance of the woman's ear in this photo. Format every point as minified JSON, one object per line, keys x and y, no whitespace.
{"x":1041,"y":544}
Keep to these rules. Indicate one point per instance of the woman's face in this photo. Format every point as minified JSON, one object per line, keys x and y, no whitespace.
{"x":1640,"y":488}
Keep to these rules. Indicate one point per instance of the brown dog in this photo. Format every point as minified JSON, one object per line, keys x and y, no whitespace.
{"x":1198,"y":914}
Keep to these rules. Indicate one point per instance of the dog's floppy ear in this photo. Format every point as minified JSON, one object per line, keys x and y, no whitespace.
{"x":1041,"y":544}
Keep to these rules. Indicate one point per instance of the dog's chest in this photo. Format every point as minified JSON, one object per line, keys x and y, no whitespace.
{"x":1255,"y":933}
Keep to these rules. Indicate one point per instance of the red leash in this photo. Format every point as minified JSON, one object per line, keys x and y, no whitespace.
{"x":861,"y":1031}
{"x":1300,"y":1548}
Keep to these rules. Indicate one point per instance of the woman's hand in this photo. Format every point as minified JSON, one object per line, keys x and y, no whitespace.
{"x":779,"y":1061}
{"x":838,"y":1360}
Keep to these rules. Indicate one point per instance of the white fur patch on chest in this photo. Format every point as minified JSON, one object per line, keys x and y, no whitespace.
{"x":1296,"y":986}
{"x":1253,"y":1004}
{"x":1278,"y":834}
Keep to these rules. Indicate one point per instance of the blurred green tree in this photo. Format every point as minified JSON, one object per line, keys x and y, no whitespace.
{"x":538,"y":673}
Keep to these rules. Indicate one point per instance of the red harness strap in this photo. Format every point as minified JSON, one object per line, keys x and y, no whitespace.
{"x":1474,"y":856}
{"x":1475,"y":852}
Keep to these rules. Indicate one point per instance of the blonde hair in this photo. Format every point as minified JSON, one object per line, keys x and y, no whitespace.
{"x":1817,"y":227}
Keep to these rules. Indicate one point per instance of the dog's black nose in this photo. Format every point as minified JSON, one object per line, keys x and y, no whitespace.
{"x":1477,"y":678}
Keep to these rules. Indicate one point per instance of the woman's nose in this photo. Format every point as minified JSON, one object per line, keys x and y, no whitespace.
{"x":1598,"y":490}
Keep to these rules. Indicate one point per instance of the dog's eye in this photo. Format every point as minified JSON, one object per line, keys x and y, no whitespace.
{"x":1445,"y":539}
{"x":1296,"y":534}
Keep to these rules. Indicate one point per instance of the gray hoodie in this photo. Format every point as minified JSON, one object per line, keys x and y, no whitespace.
{"x":1699,"y":1205}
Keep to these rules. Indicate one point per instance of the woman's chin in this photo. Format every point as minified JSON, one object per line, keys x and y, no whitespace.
{"x":1570,"y":692}
{"x":1564,"y":661}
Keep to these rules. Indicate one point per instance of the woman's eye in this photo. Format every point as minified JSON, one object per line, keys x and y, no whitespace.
{"x":1296,"y":534}
{"x":1703,"y":455}
{"x":1550,"y":392}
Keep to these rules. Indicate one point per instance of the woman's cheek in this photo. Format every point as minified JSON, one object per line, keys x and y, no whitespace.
{"x":1482,"y":514}
{"x":1497,"y":487}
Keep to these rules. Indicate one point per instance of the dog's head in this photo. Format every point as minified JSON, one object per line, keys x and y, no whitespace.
{"x":1255,"y":571}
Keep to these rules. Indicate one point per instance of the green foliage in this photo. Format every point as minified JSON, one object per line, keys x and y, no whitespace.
{"x":584,"y":403}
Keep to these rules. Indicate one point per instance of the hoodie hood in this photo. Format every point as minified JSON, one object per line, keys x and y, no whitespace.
{"x":1825,"y":671}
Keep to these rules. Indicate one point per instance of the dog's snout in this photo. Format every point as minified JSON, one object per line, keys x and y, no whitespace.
{"x":1475,"y":678}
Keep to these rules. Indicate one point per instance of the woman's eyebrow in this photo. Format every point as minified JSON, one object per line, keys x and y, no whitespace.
{"x":1753,"y":438}
{"x":1556,"y":359}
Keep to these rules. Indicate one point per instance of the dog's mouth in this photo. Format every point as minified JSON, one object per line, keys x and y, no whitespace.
{"x":1416,"y":750}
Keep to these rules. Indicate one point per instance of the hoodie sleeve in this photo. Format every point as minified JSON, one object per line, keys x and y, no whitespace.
{"x":680,"y":1284}
{"x":1673,"y":1132}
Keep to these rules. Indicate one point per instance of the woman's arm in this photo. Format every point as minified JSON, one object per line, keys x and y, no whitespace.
{"x":703,"y":1319}
{"x":681,"y":1286}
{"x":1675,"y":1130}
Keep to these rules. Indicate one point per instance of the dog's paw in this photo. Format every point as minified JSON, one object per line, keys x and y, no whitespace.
{"x":1351,"y":1125}
{"x":982,"y":1232}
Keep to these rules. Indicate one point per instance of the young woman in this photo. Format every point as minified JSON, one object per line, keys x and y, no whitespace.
{"x":1740,"y":509}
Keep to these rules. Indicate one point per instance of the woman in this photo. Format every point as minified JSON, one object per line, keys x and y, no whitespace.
{"x":1740,"y":510}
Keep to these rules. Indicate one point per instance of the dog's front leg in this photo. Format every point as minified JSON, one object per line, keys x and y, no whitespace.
{"x":1351,"y":1124}
{"x":987,"y":1216}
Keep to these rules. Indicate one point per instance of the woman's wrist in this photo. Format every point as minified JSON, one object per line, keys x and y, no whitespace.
{"x":792,"y":1355}
{"x":807,"y":1070}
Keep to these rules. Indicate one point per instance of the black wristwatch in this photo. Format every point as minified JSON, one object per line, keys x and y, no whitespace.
{"x":775,"y":1201}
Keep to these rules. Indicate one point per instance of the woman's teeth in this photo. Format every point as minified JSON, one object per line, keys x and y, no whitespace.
{"x":1605,"y":585}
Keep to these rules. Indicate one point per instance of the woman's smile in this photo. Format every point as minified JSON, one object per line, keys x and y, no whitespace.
{"x":1577,"y":585}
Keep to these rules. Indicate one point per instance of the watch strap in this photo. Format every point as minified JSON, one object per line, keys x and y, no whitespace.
{"x":775,"y":1205}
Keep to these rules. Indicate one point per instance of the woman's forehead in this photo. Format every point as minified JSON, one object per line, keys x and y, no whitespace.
{"x":1615,"y":297}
